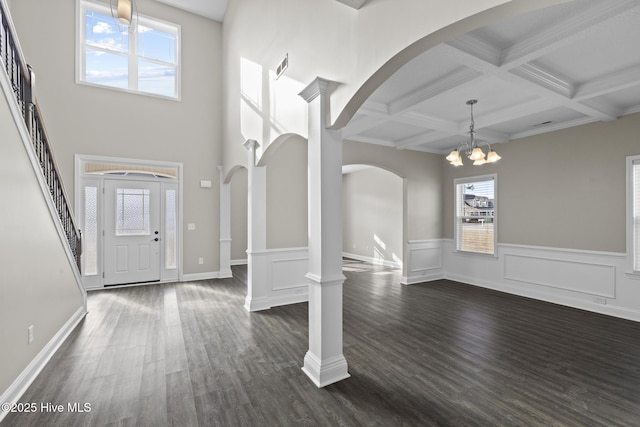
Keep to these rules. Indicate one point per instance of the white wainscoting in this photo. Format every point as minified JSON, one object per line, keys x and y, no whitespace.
{"x":285,"y":281}
{"x":588,"y":280}
{"x":424,"y":261}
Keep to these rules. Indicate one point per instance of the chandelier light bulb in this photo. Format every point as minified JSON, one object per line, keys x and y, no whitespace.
{"x":476,"y":154}
{"x":453,"y":156}
{"x":124,"y":11}
{"x":493,"y":157}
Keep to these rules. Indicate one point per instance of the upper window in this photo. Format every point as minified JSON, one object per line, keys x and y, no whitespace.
{"x":633,"y":213}
{"x":475,"y":222}
{"x":145,"y":61}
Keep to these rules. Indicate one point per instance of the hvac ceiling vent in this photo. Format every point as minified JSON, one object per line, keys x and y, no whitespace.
{"x":284,"y":64}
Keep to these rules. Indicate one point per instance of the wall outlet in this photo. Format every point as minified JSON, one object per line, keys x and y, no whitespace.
{"x":30,"y":334}
{"x":191,"y":226}
{"x":600,"y":300}
{"x":200,"y":261}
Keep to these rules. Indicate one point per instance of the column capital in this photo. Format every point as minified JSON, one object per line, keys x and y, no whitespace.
{"x":251,"y":144}
{"x":318,"y":86}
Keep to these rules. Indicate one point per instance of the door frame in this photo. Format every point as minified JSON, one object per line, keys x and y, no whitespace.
{"x":82,"y":178}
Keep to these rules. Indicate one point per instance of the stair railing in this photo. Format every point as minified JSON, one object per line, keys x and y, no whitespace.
{"x":22,"y":79}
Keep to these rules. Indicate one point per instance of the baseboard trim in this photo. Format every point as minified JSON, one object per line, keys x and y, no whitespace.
{"x":580,"y":304}
{"x":31,"y":372}
{"x":375,"y":261}
{"x":239,"y":262}
{"x":422,"y":278}
{"x":192,"y":277}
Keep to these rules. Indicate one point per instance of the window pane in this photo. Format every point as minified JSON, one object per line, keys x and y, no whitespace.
{"x":102,"y":31}
{"x":107,"y":69}
{"x":170,"y":242}
{"x":475,"y":213}
{"x":132,"y":212}
{"x":155,"y":78}
{"x":90,"y":232}
{"x":155,"y":44}
{"x":476,"y":235}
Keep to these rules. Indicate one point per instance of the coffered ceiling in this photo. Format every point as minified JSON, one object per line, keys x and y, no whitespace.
{"x":563,"y":66}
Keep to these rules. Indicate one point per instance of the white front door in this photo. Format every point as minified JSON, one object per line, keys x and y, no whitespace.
{"x":131,"y":231}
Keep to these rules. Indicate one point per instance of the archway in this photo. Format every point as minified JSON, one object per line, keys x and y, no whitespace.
{"x":373,"y":215}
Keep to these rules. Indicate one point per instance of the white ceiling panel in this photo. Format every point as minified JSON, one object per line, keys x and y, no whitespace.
{"x":570,"y":64}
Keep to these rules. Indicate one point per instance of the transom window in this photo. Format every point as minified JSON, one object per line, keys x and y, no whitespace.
{"x":475,"y":222}
{"x":145,"y":61}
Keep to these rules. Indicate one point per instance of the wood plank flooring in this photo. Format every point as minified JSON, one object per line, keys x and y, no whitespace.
{"x":440,"y":353}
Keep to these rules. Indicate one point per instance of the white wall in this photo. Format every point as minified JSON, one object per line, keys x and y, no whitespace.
{"x":82,"y":120}
{"x":37,"y":284}
{"x":357,"y":48}
{"x":372,"y":216}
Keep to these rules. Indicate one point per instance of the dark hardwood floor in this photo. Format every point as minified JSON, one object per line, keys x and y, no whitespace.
{"x":439,"y":353}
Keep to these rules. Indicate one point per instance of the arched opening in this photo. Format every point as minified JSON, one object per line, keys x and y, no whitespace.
{"x":373,"y":215}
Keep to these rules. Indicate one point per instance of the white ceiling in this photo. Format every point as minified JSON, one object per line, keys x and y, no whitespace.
{"x":563,"y":66}
{"x":212,"y":9}
{"x":559,"y":67}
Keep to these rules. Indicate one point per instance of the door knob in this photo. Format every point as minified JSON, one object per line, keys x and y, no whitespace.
{"x":156,"y":239}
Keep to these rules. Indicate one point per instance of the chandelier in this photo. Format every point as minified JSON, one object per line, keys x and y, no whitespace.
{"x":471,"y":148}
{"x":126,"y":12}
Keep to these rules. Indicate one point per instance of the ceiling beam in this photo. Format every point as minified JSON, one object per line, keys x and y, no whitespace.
{"x":565,"y":32}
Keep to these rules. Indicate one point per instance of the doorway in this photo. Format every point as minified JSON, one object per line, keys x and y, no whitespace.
{"x":130,"y":218}
{"x":131,"y":232}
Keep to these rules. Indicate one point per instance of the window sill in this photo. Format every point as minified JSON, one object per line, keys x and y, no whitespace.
{"x":634,"y":275}
{"x":480,"y":254}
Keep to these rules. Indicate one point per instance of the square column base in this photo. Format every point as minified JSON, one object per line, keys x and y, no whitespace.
{"x":325,"y":372}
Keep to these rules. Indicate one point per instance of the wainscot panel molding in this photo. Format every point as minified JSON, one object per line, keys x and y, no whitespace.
{"x":24,"y":380}
{"x":376,"y":261}
{"x":285,"y":279}
{"x":424,"y":261}
{"x":588,"y":280}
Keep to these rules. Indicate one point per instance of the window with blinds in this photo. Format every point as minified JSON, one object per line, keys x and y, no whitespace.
{"x":475,"y":222}
{"x":633,"y":192}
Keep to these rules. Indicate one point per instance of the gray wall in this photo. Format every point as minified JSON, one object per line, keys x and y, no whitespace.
{"x":81,"y":119}
{"x":287,"y":202}
{"x":372,"y":214}
{"x":564,"y":189}
{"x":239,"y":215}
{"x":423,"y":175}
{"x":37,"y":284}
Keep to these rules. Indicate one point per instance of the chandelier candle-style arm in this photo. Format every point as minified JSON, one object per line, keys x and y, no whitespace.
{"x":473,"y":151}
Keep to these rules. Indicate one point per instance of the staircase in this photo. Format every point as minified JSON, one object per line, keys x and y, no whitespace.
{"x":22,"y":81}
{"x":42,"y":297}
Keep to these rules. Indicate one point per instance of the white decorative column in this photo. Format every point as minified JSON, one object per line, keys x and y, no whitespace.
{"x":257,"y":284}
{"x":225,"y":227}
{"x":324,"y":363}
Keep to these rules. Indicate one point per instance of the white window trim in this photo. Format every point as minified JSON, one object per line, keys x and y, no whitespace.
{"x":629,"y":223}
{"x":465,"y":180}
{"x":83,"y":5}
